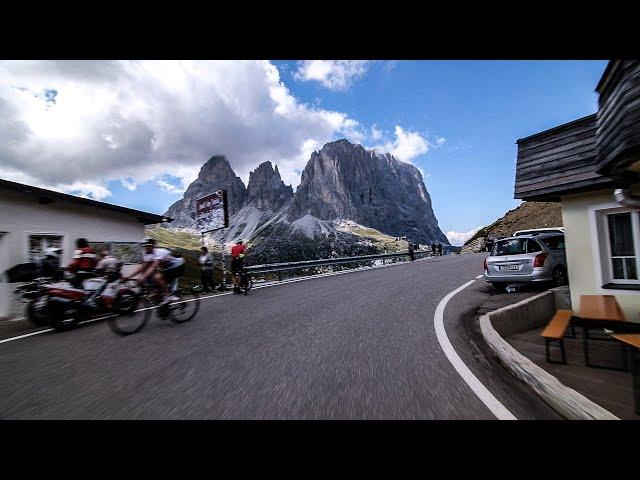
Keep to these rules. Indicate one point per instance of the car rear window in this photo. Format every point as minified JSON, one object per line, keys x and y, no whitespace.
{"x":515,"y":246}
{"x":555,"y":243}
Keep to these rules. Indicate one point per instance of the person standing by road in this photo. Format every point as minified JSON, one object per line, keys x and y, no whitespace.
{"x":439,"y":249}
{"x":206,"y":270}
{"x":434,"y":249}
{"x":238,"y":252}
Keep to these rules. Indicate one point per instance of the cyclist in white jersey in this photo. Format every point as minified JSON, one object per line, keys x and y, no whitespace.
{"x":161,"y":265}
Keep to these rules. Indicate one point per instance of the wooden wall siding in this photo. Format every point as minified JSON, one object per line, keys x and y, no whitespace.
{"x":558,"y":158}
{"x":618,"y":123}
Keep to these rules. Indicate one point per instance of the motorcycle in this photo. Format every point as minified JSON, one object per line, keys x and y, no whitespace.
{"x":35,"y":294}
{"x":68,"y":305}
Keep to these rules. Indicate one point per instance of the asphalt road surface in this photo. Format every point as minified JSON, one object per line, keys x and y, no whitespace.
{"x":360,"y":345}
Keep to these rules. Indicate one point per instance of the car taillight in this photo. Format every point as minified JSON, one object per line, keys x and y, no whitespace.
{"x":485,"y":264}
{"x":539,"y":260}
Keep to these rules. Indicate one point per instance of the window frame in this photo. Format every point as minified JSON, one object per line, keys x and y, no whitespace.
{"x":27,"y":241}
{"x":604,"y":246}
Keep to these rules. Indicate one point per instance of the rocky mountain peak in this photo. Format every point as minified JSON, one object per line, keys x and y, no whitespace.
{"x":215,"y":174}
{"x":266,"y":190}
{"x":345,"y":181}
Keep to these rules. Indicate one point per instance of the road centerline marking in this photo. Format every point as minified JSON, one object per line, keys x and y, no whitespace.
{"x":485,"y":396}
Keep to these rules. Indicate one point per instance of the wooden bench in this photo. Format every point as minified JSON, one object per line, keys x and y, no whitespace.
{"x":555,"y":331}
{"x":633,"y":341}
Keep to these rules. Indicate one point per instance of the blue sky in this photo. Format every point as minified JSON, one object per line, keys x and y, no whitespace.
{"x":480,"y":107}
{"x":135,"y":133}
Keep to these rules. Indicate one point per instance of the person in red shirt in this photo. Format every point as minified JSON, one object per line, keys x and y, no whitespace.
{"x":238,"y":252}
{"x":84,"y":262}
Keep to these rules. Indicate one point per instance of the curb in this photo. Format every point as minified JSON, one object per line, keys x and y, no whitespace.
{"x":566,"y":401}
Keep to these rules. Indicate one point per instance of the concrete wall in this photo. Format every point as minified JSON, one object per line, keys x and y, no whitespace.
{"x":583,"y":258}
{"x":533,"y":312}
{"x":22,"y":215}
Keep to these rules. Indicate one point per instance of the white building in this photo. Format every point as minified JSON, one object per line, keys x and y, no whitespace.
{"x":32,"y":219}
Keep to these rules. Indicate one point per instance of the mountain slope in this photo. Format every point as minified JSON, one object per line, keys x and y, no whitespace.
{"x":527,"y":215}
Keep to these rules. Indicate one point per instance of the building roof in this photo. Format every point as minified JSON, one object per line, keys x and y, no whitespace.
{"x":557,"y":161}
{"x":590,"y":153}
{"x":47,"y":196}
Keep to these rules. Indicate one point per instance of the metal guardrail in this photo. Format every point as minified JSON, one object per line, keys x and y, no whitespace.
{"x":281,"y":267}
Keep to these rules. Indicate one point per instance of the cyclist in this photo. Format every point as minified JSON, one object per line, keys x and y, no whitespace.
{"x":110,"y":265}
{"x":161,"y":265}
{"x":83,"y":264}
{"x":238,"y":252}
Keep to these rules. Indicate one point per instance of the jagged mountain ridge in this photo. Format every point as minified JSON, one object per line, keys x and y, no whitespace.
{"x":215,"y":174}
{"x":342,"y":181}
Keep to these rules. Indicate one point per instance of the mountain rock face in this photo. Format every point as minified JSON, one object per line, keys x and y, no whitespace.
{"x":266,"y":190}
{"x":341,"y":182}
{"x":345,"y":181}
{"x":214,"y":175}
{"x":527,"y":215}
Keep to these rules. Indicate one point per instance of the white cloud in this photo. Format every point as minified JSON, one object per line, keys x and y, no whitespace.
{"x":376,"y":134}
{"x":129,"y":184}
{"x":332,"y":74}
{"x":440,"y":141}
{"x":458,"y":238}
{"x":168,"y":187}
{"x":136,"y":121}
{"x":406,"y":146}
{"x":84,"y":189}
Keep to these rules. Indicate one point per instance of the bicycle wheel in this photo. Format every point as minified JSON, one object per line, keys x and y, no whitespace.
{"x":133,"y":312}
{"x":247,"y":284}
{"x":186,"y":308}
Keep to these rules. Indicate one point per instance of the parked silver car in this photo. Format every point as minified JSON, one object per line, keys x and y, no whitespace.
{"x":527,"y":258}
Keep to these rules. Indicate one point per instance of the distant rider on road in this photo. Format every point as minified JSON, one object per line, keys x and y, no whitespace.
{"x":238,"y":252}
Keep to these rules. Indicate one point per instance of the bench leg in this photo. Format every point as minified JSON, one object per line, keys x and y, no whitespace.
{"x":547,"y":344}
{"x":585,"y":345}
{"x":635,"y":371}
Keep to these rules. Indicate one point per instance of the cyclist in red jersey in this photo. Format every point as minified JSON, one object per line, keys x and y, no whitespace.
{"x":83,"y":264}
{"x":238,"y":252}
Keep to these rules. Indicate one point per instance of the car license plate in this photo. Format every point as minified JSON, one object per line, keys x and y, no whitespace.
{"x":509,"y":267}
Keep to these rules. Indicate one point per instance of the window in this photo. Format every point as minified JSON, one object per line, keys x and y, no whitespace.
{"x":516,"y":246}
{"x":128,"y":252}
{"x":39,"y":242}
{"x":619,"y":247}
{"x":622,"y":252}
{"x":555,"y":243}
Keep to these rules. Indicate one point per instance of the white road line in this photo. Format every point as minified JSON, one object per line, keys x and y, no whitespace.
{"x":27,"y":335}
{"x":283,"y":282}
{"x":480,"y":276}
{"x":485,"y":396}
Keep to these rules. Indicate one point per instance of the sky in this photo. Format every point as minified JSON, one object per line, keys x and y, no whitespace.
{"x":135,"y":133}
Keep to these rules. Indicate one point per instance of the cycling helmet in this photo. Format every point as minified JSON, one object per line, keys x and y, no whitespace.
{"x":239,"y":241}
{"x":148,"y":241}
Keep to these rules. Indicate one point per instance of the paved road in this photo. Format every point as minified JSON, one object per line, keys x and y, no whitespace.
{"x":360,"y":345}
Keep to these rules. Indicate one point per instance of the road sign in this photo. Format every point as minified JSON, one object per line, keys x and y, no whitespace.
{"x":212,"y":212}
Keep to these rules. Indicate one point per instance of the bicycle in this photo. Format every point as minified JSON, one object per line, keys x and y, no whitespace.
{"x":246,"y":282}
{"x":178,"y":311}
